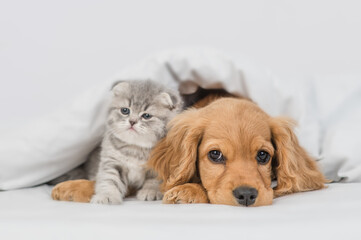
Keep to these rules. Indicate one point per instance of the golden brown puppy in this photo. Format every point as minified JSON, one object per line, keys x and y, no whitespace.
{"x":227,"y":153}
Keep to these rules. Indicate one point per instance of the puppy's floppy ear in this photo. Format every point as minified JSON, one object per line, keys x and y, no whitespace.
{"x":296,"y":171}
{"x":174,"y":157}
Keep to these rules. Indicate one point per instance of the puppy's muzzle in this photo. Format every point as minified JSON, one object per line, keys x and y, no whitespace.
{"x":245,"y":195}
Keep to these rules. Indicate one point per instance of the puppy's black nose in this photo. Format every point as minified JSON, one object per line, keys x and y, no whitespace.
{"x":245,"y":195}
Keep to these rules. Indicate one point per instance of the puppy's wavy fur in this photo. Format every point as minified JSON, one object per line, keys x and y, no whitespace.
{"x":239,"y":129}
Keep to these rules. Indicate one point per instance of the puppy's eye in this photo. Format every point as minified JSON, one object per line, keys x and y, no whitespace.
{"x":125,"y":111}
{"x":146,"y":116}
{"x":263,"y":157}
{"x":216,"y":156}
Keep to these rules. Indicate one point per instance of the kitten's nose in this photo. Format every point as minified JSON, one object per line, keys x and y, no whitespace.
{"x":132,"y":122}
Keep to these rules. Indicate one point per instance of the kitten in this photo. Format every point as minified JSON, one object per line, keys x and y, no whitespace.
{"x":137,"y":119}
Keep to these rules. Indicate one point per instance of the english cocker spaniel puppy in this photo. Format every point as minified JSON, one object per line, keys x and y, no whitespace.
{"x":228,"y":152}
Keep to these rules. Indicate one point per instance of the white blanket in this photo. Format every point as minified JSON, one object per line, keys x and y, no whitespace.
{"x":328,"y":115}
{"x":331,"y":213}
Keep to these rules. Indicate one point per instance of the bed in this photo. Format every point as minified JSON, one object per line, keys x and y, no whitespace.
{"x":27,"y":210}
{"x":57,"y":63}
{"x":332,"y":213}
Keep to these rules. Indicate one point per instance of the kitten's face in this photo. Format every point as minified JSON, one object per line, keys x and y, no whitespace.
{"x":139,"y":114}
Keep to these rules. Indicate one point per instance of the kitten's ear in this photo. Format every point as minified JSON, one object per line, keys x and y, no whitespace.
{"x":169,"y":100}
{"x":120,"y":88}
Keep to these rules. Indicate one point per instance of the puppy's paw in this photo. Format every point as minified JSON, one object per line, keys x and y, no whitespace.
{"x":187,"y":193}
{"x":114,"y":198}
{"x":75,"y":190}
{"x":149,"y":194}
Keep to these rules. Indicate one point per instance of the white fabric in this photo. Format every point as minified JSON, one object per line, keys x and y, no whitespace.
{"x":332,"y":213}
{"x":56,"y":143}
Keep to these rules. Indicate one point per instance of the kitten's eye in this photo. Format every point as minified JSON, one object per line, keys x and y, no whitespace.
{"x":216,"y":156}
{"x":146,"y":116}
{"x":263,"y":157}
{"x":125,"y":111}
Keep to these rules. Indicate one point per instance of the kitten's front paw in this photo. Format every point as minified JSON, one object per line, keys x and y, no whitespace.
{"x":148,"y":194}
{"x":107,"y":199}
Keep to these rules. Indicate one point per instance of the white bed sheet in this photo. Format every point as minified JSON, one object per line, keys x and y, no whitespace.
{"x":332,"y":213}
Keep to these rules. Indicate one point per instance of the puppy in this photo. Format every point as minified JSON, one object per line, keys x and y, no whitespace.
{"x":228,"y":152}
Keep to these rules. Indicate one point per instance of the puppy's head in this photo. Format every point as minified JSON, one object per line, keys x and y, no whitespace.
{"x":233,"y":148}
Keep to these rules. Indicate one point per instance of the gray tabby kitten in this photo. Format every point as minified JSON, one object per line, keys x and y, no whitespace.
{"x":137,"y":119}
